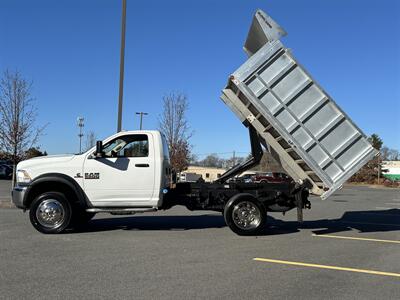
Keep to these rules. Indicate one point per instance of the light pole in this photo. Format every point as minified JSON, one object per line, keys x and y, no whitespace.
{"x":121,"y":66}
{"x":80,"y":122}
{"x":141,"y":117}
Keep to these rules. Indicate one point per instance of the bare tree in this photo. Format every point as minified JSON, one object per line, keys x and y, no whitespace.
{"x":90,"y":140}
{"x":269,"y":164}
{"x":174,"y":125}
{"x":212,"y":161}
{"x":232,"y":161}
{"x":34,"y":152}
{"x":394,"y":154}
{"x":389,"y":154}
{"x":17,"y":116}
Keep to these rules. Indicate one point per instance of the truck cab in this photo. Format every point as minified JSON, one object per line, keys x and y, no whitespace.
{"x":130,"y":169}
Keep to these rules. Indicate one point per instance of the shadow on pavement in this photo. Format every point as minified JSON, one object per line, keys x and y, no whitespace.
{"x":177,"y":223}
{"x":363,"y":221}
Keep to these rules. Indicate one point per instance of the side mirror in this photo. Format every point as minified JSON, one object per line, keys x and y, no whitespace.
{"x":99,"y":149}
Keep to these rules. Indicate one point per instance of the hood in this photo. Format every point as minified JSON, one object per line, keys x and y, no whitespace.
{"x":41,"y":160}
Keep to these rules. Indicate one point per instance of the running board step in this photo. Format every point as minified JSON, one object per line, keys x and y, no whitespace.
{"x":121,"y":211}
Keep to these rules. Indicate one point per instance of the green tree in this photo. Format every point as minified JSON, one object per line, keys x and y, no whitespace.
{"x":375,"y":141}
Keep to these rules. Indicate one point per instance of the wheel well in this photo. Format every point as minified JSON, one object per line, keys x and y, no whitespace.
{"x":246,"y":196}
{"x":49,"y":186}
{"x":243,"y":195}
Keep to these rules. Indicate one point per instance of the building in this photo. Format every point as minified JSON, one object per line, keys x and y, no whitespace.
{"x":207,"y":173}
{"x":393,"y":168}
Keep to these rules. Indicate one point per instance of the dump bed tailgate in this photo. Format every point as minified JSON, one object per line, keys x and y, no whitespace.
{"x":300,"y":123}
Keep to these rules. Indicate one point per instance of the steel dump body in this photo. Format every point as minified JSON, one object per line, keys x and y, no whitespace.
{"x":301,"y":125}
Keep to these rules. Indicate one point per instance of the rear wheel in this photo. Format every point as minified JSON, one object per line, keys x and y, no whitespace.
{"x":50,"y":212}
{"x":245,"y":215}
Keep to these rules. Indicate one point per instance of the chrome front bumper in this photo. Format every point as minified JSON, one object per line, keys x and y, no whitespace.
{"x":18,"y":194}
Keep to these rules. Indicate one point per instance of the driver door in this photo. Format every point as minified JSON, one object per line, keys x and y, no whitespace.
{"x":125,"y":175}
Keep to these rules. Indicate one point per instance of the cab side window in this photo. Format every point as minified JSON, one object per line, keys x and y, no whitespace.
{"x":138,"y":147}
{"x":128,"y":146}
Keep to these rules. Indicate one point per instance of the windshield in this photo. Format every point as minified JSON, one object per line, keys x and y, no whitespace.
{"x":115,"y":145}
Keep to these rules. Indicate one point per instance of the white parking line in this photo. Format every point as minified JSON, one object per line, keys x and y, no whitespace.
{"x":355,"y":238}
{"x":302,"y":264}
{"x":368,"y":223}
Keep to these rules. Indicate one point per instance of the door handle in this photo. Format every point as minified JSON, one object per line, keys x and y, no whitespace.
{"x":142,"y":165}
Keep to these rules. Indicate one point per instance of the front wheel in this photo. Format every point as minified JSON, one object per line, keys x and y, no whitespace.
{"x":50,"y":212}
{"x":245,"y":215}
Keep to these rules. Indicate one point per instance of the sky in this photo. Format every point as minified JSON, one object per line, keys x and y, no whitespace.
{"x":70,"y":51}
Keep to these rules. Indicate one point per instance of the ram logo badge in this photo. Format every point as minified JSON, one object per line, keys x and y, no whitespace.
{"x":92,"y":175}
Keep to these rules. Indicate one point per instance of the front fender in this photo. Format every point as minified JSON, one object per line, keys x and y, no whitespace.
{"x":57,"y":180}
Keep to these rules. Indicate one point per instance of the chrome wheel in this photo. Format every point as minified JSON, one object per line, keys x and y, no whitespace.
{"x":246,"y":215}
{"x":50,"y":213}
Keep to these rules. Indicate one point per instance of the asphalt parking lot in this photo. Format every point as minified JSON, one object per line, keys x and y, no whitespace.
{"x":5,"y":195}
{"x":347,"y":248}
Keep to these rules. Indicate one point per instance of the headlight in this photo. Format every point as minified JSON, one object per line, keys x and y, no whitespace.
{"x":23,"y":177}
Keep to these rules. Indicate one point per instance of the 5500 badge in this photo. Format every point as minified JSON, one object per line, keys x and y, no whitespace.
{"x":92,"y":175}
{"x":88,"y":175}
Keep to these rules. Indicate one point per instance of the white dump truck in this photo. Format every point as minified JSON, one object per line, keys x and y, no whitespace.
{"x":286,"y":112}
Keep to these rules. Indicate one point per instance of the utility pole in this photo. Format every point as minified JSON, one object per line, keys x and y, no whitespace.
{"x":121,"y":66}
{"x":80,"y":123}
{"x":234,"y":158}
{"x":141,"y":117}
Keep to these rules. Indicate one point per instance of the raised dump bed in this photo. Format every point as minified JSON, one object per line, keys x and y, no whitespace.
{"x":301,"y":125}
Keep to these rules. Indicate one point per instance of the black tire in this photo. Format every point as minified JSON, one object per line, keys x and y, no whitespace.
{"x":245,"y":215}
{"x":50,"y":212}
